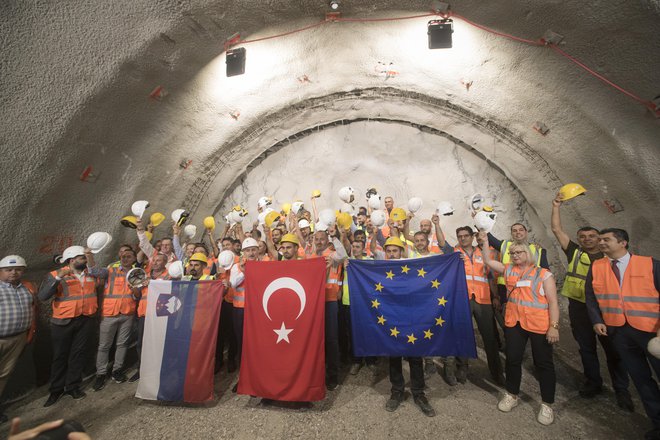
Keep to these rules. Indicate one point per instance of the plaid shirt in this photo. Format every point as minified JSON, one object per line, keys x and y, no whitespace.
{"x":15,"y":309}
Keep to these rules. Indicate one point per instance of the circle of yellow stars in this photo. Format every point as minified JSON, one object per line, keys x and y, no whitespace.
{"x":394,"y":332}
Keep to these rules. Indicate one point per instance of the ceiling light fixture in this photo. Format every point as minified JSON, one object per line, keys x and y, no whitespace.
{"x":439,"y":32}
{"x":235,"y":61}
{"x":334,"y":5}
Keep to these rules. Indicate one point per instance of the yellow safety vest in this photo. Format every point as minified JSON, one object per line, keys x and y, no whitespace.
{"x":345,"y":299}
{"x":576,"y":276}
{"x":506,"y":258}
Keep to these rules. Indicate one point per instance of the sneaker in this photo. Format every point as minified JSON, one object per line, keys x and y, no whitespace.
{"x":394,"y":402}
{"x":589,"y":391}
{"x":53,"y":398}
{"x":508,"y":402}
{"x":425,"y":406}
{"x":99,"y":383}
{"x":546,"y":415}
{"x":76,"y":393}
{"x":355,"y":369}
{"x":624,"y":401}
{"x":135,"y":377}
{"x":119,"y":376}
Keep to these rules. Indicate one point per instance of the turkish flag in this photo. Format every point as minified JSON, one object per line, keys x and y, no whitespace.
{"x":284,"y":330}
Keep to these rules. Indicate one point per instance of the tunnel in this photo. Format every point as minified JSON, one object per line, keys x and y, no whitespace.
{"x":106,"y":103}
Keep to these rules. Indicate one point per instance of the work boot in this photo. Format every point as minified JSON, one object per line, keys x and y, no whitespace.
{"x":135,"y":377}
{"x":508,"y":402}
{"x":429,"y":368}
{"x":624,"y":401}
{"x":461,"y":373}
{"x":119,"y":376}
{"x":76,"y":393}
{"x":546,"y":415}
{"x":99,"y":383}
{"x":231,"y":366}
{"x":450,"y":371}
{"x":394,"y":402}
{"x":355,"y":368}
{"x":425,"y":406}
{"x":331,"y":385}
{"x":53,"y":398}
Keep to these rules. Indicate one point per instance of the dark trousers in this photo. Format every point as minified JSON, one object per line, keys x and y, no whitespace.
{"x":238,"y":315}
{"x":345,"y":325}
{"x":416,"y":365}
{"x":71,"y":352}
{"x":516,"y":341}
{"x":632,"y":346}
{"x":140,"y":338}
{"x":484,"y":316}
{"x":331,"y":342}
{"x":585,"y":336}
{"x":226,"y":335}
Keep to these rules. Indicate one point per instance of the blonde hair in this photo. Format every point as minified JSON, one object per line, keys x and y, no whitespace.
{"x":525,"y":248}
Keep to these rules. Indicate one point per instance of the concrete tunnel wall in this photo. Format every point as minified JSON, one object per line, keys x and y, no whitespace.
{"x":76,"y":78}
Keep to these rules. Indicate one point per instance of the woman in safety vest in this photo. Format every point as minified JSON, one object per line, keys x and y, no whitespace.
{"x":532,"y":312}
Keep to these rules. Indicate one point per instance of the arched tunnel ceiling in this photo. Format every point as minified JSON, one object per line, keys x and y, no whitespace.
{"x":75,"y":80}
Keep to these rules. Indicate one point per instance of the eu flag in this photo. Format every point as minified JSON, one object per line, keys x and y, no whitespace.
{"x":416,"y":307}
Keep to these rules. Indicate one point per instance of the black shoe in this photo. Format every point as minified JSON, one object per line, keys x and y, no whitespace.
{"x":76,"y":394}
{"x":653,"y":434}
{"x":425,"y":406}
{"x":624,"y":401}
{"x":119,"y":376}
{"x":99,"y":383}
{"x":589,"y":391}
{"x":235,"y":388}
{"x":53,"y":398}
{"x":394,"y":402}
{"x":217,"y":368}
{"x":3,"y":418}
{"x":332,"y":385}
{"x":231,"y":366}
{"x":461,"y":375}
{"x":135,"y":377}
{"x":429,"y":369}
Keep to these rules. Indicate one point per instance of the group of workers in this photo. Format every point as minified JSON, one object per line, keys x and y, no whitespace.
{"x":613,"y":298}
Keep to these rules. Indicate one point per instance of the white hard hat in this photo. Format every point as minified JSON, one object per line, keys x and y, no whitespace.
{"x":476,"y":202}
{"x":320,"y":226}
{"x":414,"y":204}
{"x":296,"y":206}
{"x":226,"y":259}
{"x":12,"y":261}
{"x":327,"y":216}
{"x":346,"y":194}
{"x":654,"y":347}
{"x":378,"y":218}
{"x":264,"y":201}
{"x":485,"y":221}
{"x":303,"y":224}
{"x":190,"y":231}
{"x":175,"y":269}
{"x":249,"y":242}
{"x":348,"y":208}
{"x":72,"y":252}
{"x":445,"y":208}
{"x":98,"y":241}
{"x":261,"y":218}
{"x":136,"y":277}
{"x":235,"y":216}
{"x":374,"y":201}
{"x":139,"y":207}
{"x":179,"y":216}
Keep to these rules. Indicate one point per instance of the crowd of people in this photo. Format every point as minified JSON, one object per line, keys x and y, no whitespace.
{"x":612,"y":298}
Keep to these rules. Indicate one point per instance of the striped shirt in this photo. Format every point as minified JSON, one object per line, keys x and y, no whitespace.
{"x":15,"y":309}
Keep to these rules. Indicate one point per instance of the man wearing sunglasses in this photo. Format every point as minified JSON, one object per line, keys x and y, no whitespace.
{"x":580,"y":255}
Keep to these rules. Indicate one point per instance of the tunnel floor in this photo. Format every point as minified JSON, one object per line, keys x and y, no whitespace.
{"x":356,"y":409}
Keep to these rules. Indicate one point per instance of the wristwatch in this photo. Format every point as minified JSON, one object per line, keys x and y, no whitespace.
{"x":555,"y":325}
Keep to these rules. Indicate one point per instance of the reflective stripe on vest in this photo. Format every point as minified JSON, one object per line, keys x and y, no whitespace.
{"x":526,"y":299}
{"x":475,"y":276}
{"x":238,"y":298}
{"x":118,"y":296}
{"x":506,"y":258}
{"x":635,"y":301}
{"x":74,"y":298}
{"x":332,"y":280}
{"x":576,"y":276}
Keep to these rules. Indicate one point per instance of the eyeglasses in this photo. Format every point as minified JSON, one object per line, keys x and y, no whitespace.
{"x":517,"y":253}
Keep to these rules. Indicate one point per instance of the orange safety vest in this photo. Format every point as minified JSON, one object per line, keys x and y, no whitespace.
{"x":527,"y":303}
{"x":476,"y":275}
{"x":142,"y":304}
{"x":238,"y":294}
{"x":635,"y":301}
{"x":75,"y":298}
{"x":433,"y":245}
{"x":118,"y":296}
{"x":333,"y":279}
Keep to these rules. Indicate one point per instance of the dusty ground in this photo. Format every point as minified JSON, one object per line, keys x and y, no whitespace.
{"x":355,"y":409}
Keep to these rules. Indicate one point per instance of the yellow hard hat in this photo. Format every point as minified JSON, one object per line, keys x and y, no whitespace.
{"x":344,"y":220}
{"x":487,"y":208}
{"x":286,"y":208}
{"x":149,"y":235}
{"x":398,"y":215}
{"x":394,"y":241}
{"x":199,"y":257}
{"x":130,"y":221}
{"x":237,"y":208}
{"x":316,"y":193}
{"x":209,"y":223}
{"x":156,"y":218}
{"x":290,"y":238}
{"x":571,"y":190}
{"x":272,"y":217}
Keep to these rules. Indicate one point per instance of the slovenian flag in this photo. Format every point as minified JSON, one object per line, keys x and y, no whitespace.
{"x":180,"y":333}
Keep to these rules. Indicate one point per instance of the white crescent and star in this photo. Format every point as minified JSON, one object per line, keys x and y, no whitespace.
{"x":279,"y":284}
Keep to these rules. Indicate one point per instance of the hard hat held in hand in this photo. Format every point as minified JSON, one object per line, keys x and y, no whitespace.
{"x":12,"y":261}
{"x":71,"y":252}
{"x":571,"y":190}
{"x":327,"y":216}
{"x":156,"y":218}
{"x":476,"y":202}
{"x":98,"y":241}
{"x":236,"y":216}
{"x":344,"y":220}
{"x":286,"y":208}
{"x":297,"y":206}
{"x":445,"y":208}
{"x":264,"y":201}
{"x":371,"y":192}
{"x":316,"y":194}
{"x":139,"y":207}
{"x":272,"y":218}
{"x":129,"y":221}
{"x":374,"y":201}
{"x":654,"y":347}
{"x":136,"y":277}
{"x":415,"y":204}
{"x":175,"y":269}
{"x":190,"y":231}
{"x":347,"y":194}
{"x":485,"y":221}
{"x":209,"y":223}
{"x":180,"y":216}
{"x":226,"y":259}
{"x":398,"y":215}
{"x":378,"y":218}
